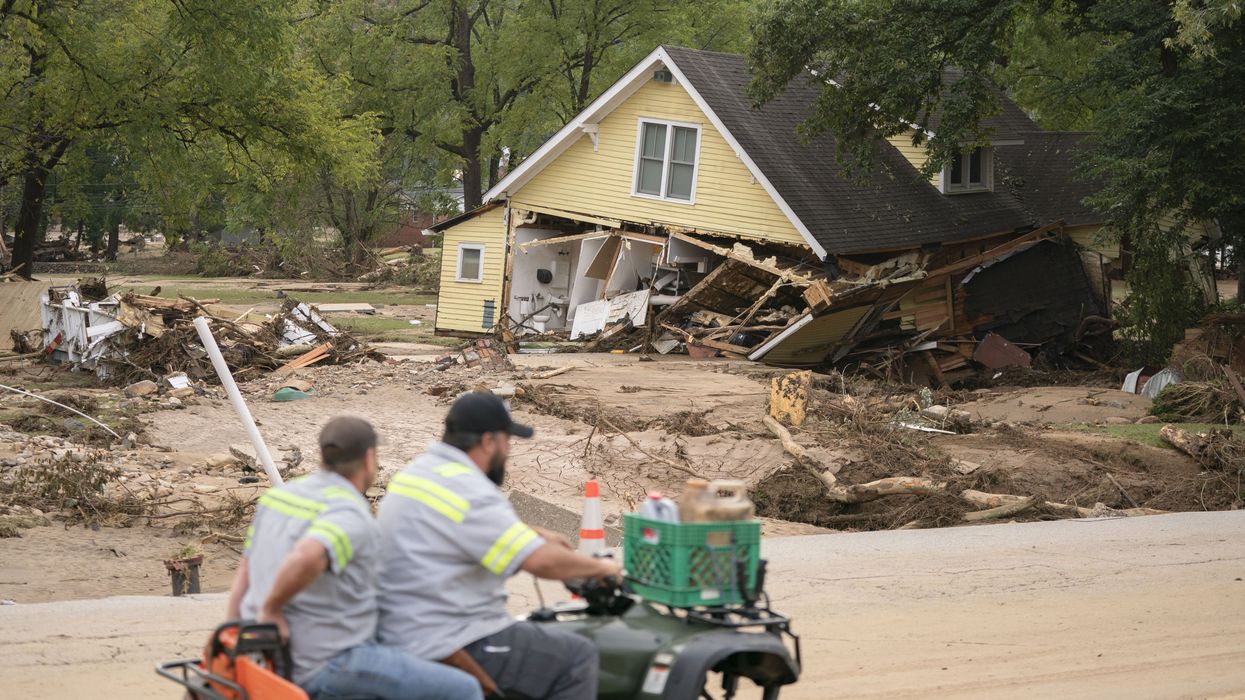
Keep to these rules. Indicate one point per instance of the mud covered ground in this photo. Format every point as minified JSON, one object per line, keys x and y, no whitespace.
{"x":634,"y":425}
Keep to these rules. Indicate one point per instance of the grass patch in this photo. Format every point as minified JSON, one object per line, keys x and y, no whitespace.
{"x":253,"y":297}
{"x":1148,"y":433}
{"x":381,"y":329}
{"x":359,"y":324}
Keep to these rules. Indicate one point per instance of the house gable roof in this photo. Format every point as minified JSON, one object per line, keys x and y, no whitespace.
{"x":896,"y":209}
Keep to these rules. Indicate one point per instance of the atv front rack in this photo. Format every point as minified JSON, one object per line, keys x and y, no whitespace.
{"x":744,"y":617}
{"x":243,"y":660}
{"x":199,"y":682}
{"x":737,"y":618}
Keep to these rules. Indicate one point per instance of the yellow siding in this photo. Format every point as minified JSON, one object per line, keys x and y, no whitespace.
{"x":460,"y":305}
{"x":916,"y":155}
{"x":1087,"y":237}
{"x":727,"y":200}
{"x":1194,"y":230}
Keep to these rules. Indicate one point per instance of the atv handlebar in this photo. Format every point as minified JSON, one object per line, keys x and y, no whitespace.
{"x":608,"y":596}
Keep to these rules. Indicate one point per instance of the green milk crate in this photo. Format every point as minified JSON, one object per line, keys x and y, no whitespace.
{"x":686,"y":565}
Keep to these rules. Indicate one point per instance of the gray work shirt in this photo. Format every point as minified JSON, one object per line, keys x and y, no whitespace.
{"x":338,"y":610}
{"x":449,"y":541}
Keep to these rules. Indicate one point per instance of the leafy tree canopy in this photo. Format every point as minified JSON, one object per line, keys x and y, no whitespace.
{"x":1159,"y":88}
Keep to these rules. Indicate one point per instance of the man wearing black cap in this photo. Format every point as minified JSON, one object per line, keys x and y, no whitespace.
{"x":310,"y":567}
{"x":449,"y":541}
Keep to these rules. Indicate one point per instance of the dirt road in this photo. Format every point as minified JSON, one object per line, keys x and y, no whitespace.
{"x":1138,"y":608}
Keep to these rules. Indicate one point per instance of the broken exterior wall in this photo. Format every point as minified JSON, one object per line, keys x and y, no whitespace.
{"x":535,"y":294}
{"x":598,"y":179}
{"x":473,"y":307}
{"x":1032,"y":288}
{"x":1038,"y":295}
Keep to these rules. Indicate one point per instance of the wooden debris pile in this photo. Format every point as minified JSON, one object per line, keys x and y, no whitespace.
{"x":935,"y":490}
{"x":130,"y":337}
{"x":477,"y":353}
{"x":390,"y":263}
{"x":1219,"y":337}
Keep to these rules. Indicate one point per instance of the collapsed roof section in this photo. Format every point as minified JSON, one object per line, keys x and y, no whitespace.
{"x":617,"y":288}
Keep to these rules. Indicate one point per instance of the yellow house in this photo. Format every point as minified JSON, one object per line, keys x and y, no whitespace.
{"x":649,"y":186}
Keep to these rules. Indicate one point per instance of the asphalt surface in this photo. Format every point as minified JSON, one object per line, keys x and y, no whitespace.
{"x":1140,"y":608}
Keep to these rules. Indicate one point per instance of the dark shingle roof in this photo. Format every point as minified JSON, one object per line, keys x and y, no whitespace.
{"x":1011,"y":122}
{"x":896,"y":209}
{"x":1042,"y":172}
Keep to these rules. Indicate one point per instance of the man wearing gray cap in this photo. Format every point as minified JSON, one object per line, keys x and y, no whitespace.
{"x":309,"y":566}
{"x":450,"y":539}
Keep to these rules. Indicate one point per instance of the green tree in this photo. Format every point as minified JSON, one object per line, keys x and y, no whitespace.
{"x":475,"y":79}
{"x":176,"y":81}
{"x":1165,"y":115}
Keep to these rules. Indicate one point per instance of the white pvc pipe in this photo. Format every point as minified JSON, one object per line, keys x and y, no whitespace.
{"x":235,"y":397}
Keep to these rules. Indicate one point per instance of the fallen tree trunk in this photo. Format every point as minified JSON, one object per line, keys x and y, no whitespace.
{"x":999,"y":500}
{"x":854,"y":493}
{"x":549,"y":374}
{"x":996,"y":500}
{"x":1183,"y":440}
{"x":1004,"y":511}
{"x":890,"y":486}
{"x":802,"y":457}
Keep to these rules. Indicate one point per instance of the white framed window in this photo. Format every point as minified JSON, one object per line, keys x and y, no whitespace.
{"x":666,"y":158}
{"x":972,"y":171}
{"x":470,"y":262}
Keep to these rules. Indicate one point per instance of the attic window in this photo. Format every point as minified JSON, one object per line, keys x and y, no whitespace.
{"x":665,"y":160}
{"x":969,"y":172}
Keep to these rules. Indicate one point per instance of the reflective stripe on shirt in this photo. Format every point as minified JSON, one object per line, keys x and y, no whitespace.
{"x":506,"y":547}
{"x":338,"y":610}
{"x":453,"y":469}
{"x":291,"y":505}
{"x":302,"y":508}
{"x":431,"y":494}
{"x":336,"y":535}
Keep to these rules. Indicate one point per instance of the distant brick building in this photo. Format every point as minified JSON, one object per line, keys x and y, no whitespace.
{"x":411,"y":230}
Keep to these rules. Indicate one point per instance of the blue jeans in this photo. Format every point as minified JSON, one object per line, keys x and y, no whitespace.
{"x":375,"y":672}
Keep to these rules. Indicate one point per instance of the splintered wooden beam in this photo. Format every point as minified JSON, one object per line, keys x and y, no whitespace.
{"x":790,"y":275}
{"x":686,"y":298}
{"x":310,"y":357}
{"x":566,"y":239}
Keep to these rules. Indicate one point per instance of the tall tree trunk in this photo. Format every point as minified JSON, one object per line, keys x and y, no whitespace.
{"x":1232,"y":225}
{"x":473,"y":171}
{"x":114,"y":241}
{"x":1240,"y":278}
{"x":461,"y":22}
{"x":77,"y":241}
{"x":585,"y":79}
{"x":29,"y":214}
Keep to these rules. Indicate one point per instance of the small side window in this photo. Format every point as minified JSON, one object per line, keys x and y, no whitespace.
{"x":470,"y":262}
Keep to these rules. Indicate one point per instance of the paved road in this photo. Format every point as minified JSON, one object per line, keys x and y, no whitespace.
{"x":1142,"y":608}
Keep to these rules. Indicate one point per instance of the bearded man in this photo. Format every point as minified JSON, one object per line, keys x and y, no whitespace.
{"x":449,"y":541}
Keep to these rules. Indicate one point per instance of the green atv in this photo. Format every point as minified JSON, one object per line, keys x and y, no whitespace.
{"x":647,"y":650}
{"x":653,"y":651}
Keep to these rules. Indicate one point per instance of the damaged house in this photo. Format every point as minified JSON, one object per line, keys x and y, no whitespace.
{"x":671,"y":213}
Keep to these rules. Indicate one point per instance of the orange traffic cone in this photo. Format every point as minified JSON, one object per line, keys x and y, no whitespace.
{"x":592,"y":527}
